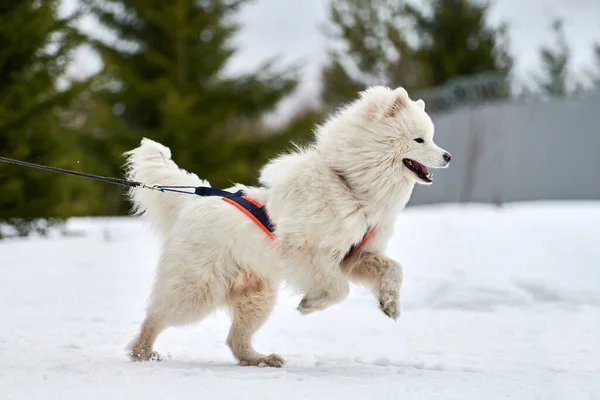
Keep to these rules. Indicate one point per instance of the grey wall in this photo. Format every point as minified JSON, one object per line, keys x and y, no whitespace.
{"x":518,"y":152}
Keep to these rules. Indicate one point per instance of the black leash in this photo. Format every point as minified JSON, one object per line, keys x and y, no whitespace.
{"x":256,"y":211}
{"x":116,"y":181}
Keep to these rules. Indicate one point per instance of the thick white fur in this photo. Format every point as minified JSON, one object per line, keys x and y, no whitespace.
{"x":322,"y":199}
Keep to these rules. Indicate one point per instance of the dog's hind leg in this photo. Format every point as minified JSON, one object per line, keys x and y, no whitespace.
{"x":251,"y":300}
{"x":141,"y":348}
{"x":177,"y":299}
{"x":382,"y":274}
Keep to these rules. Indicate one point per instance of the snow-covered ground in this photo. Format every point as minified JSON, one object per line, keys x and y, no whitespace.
{"x":497,"y":303}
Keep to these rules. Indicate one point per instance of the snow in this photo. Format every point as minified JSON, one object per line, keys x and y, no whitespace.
{"x":497,"y":303}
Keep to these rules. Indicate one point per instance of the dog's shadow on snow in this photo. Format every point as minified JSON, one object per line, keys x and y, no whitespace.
{"x":298,"y":368}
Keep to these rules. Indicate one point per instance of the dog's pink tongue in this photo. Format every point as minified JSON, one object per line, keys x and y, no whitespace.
{"x":422,"y":168}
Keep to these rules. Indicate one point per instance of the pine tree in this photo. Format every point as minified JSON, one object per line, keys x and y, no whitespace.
{"x":555,"y":64}
{"x":35,"y":48}
{"x":368,"y":47}
{"x":164,"y":79}
{"x":453,"y":40}
{"x":456,"y":40}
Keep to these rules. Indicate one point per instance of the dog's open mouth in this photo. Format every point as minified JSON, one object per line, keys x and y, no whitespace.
{"x":419,"y":169}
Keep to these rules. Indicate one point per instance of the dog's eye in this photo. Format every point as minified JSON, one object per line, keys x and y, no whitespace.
{"x":419,"y":140}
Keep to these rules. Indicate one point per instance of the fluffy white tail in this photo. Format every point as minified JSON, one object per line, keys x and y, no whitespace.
{"x":151,"y":163}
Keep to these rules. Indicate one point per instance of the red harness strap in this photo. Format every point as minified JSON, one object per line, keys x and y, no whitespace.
{"x":355,"y":247}
{"x":249,"y":213}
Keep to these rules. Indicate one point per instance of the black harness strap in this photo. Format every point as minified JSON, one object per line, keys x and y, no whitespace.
{"x":256,"y":210}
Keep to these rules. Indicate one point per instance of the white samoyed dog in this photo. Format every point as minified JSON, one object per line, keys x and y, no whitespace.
{"x":354,"y":179}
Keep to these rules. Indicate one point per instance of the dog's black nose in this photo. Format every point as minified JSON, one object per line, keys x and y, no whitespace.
{"x":447,"y":157}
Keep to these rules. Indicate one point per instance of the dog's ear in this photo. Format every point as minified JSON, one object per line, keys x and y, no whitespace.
{"x":399,"y":103}
{"x":421,"y":104}
{"x":372,"y":112}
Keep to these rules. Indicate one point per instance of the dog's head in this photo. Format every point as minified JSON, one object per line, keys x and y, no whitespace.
{"x":385,"y":130}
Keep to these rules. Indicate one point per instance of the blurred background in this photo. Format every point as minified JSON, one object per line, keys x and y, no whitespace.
{"x":512,"y":87}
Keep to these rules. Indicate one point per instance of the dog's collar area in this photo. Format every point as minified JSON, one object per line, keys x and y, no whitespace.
{"x":259,"y":214}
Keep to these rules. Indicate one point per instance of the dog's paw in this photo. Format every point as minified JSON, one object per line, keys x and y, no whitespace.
{"x":144,"y":355}
{"x":273,"y":360}
{"x":309,"y":305}
{"x":389,"y":304}
{"x":305,"y":307}
{"x":320,"y":300}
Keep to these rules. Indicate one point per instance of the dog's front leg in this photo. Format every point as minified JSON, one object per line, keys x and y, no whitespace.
{"x":382,"y":274}
{"x":326,"y":285}
{"x":314,"y":271}
{"x":324,"y":294}
{"x":389,"y":289}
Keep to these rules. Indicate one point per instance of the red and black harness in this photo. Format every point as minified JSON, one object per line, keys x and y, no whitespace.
{"x":258,"y":213}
